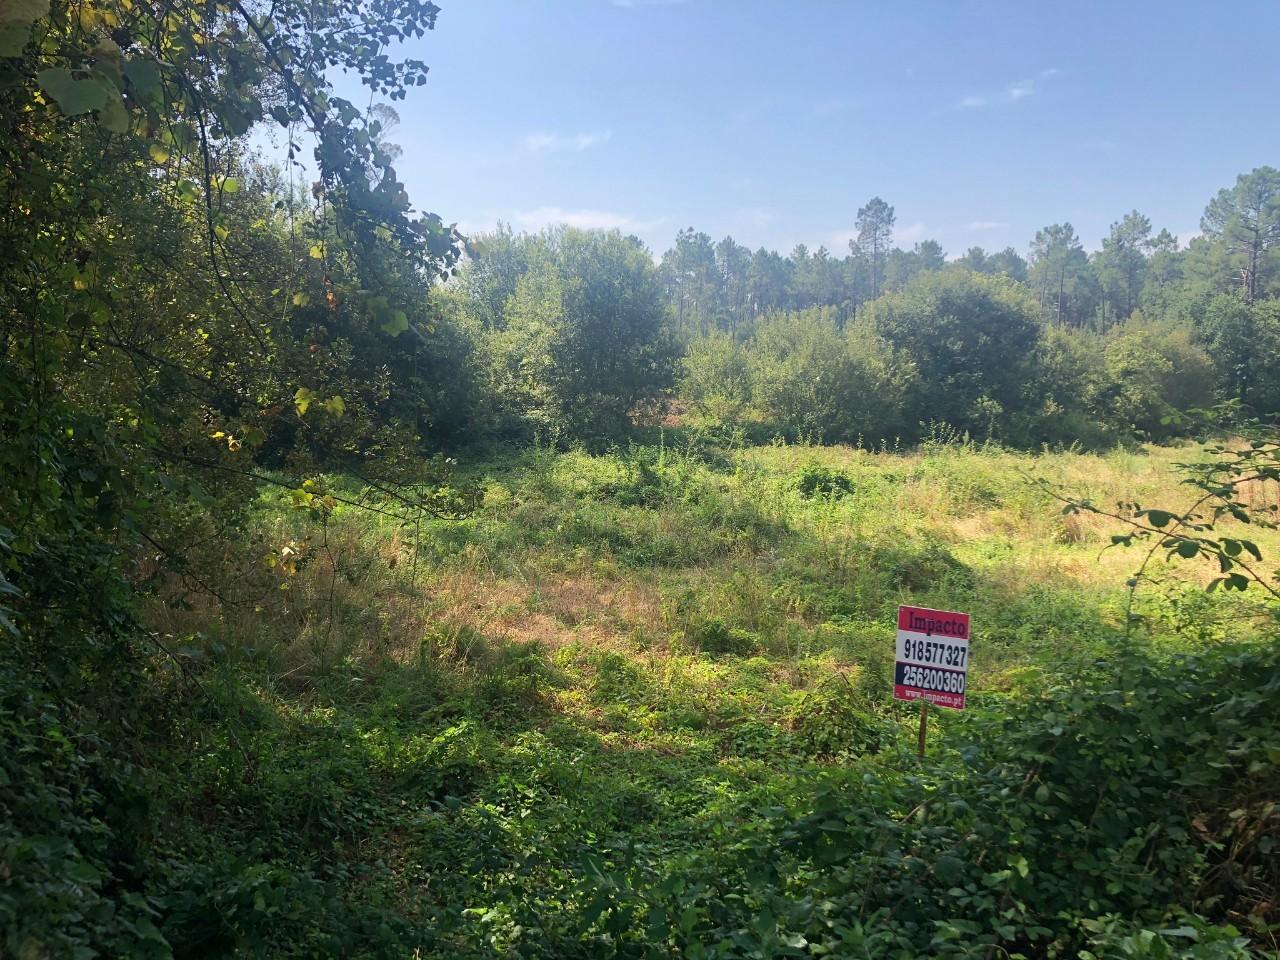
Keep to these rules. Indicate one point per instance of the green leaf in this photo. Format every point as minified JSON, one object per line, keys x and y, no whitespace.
{"x":23,"y":11}
{"x":1042,"y":793}
{"x":159,"y":153}
{"x":73,"y":96}
{"x":1159,"y":518}
{"x":16,"y":18}
{"x":303,"y":399}
{"x":1188,"y":548}
{"x":398,"y":323}
{"x":230,"y":185}
{"x":301,"y":299}
{"x":221,"y":232}
{"x":113,"y":114}
{"x":948,"y":869}
{"x":143,"y":76}
{"x":13,"y":38}
{"x":335,"y":405}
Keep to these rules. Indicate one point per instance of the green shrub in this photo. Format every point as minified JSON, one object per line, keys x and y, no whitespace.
{"x":1049,"y":819}
{"x":815,"y":380}
{"x":714,"y":637}
{"x":969,"y":336}
{"x":816,"y":480}
{"x":835,"y":721}
{"x":715,"y":378}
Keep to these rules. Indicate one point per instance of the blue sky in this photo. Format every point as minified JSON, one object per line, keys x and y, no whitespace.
{"x":774,"y":122}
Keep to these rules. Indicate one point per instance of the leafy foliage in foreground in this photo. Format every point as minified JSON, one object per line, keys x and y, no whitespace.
{"x":1102,"y":813}
{"x":1144,"y":785}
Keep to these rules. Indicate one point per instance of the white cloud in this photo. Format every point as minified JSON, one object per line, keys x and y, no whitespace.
{"x":841,"y":239}
{"x":902,"y":236}
{"x":472,"y":228}
{"x":583,"y":219}
{"x":546,"y":142}
{"x":757,"y":216}
{"x":1018,"y":90}
{"x":985,"y":225}
{"x":910,"y":233}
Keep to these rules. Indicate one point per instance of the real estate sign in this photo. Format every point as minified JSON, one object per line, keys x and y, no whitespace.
{"x":933,"y":656}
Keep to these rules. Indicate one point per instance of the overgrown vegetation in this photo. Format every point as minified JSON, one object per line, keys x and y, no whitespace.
{"x":637,"y":704}
{"x":279,"y":676}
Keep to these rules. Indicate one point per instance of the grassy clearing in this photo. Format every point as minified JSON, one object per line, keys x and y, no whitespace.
{"x":627,"y":651}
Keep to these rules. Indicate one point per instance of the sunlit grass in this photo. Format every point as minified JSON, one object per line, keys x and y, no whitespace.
{"x":627,"y":648}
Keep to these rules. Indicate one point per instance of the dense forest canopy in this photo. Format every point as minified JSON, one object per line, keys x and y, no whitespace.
{"x":188,"y":331}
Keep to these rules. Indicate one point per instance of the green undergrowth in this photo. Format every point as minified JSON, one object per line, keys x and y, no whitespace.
{"x":638,"y":705}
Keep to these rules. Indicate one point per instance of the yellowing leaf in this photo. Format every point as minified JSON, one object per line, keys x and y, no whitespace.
{"x":317,"y":251}
{"x":335,"y":405}
{"x":221,"y":232}
{"x":398,"y":323}
{"x":301,"y":299}
{"x":303,"y":399}
{"x":159,"y":153}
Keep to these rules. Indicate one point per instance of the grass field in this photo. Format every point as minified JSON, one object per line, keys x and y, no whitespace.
{"x":629,"y":659}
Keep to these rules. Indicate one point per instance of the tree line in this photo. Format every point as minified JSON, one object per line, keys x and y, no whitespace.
{"x":721,"y":285}
{"x":884,"y":344}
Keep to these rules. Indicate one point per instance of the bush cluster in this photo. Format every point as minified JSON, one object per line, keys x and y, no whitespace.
{"x":963,"y":350}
